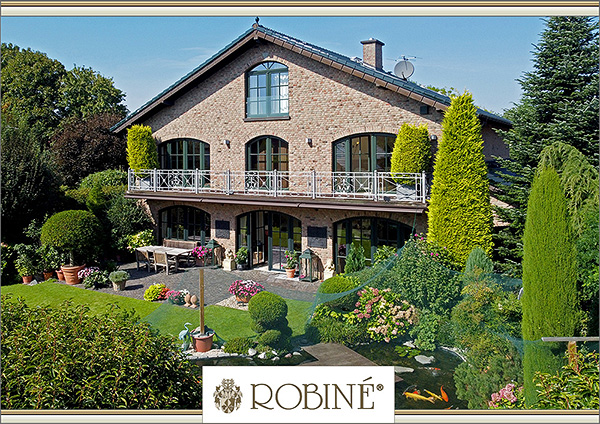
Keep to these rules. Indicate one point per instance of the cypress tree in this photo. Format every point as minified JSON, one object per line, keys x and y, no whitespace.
{"x":412,"y":151}
{"x":559,"y":103}
{"x":141,"y":148}
{"x":549,"y":277}
{"x":460,"y":215}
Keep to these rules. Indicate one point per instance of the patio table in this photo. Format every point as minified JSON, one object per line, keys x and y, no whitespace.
{"x":174,"y":252}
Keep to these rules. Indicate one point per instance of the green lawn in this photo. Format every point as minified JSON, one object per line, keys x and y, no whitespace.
{"x":167,"y":318}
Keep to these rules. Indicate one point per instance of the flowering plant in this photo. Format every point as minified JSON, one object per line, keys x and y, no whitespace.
{"x":177,"y":297}
{"x":292,"y":259}
{"x":143,"y":238}
{"x":201,"y":251}
{"x":386,"y":314}
{"x":508,"y":398}
{"x":95,"y":278}
{"x":86,"y":272}
{"x":434,"y":251}
{"x":241,"y":255}
{"x":156,"y":291}
{"x":245,"y":288}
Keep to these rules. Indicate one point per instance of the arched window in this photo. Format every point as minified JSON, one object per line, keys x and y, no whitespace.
{"x":364,"y":153}
{"x":369,"y":233}
{"x":267,"y":154}
{"x":184,"y":223}
{"x":267,"y":90}
{"x":184,"y":153}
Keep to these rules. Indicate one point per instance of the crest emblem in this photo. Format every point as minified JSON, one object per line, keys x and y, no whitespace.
{"x":228,"y":396}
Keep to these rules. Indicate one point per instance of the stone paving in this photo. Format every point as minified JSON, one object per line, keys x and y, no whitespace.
{"x":216,"y":283}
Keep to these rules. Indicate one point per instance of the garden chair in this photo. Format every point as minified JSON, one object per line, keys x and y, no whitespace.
{"x":146,"y":258}
{"x":162,"y":260}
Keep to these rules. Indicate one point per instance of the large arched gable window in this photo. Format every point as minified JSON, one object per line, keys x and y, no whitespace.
{"x":267,"y":90}
{"x":364,"y":153}
{"x":184,"y":223}
{"x":369,"y":232}
{"x":184,"y":153}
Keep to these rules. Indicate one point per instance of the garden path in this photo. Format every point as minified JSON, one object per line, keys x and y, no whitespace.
{"x":216,"y":283}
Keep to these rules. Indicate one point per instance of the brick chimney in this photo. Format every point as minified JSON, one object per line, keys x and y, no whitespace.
{"x":372,"y":53}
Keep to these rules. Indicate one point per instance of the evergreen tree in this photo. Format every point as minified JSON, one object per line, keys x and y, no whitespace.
{"x":412,"y":151}
{"x":549,"y":277}
{"x":355,"y":261}
{"x":559,"y":103}
{"x":141,"y":148}
{"x":460,"y":216}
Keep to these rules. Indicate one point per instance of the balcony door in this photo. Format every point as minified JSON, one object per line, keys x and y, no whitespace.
{"x":263,"y":155}
{"x":268,"y":235}
{"x":184,"y":154}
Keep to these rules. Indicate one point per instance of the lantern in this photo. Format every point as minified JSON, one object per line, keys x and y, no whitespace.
{"x":216,"y":252}
{"x":308,"y":266}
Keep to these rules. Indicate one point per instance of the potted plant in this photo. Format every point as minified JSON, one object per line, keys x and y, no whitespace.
{"x":25,"y":263}
{"x":119,"y":279}
{"x":291,"y":263}
{"x":241,"y":258}
{"x":200,"y":253}
{"x":245,"y":289}
{"x":51,"y":260}
{"x":75,"y":232}
{"x":177,"y":297}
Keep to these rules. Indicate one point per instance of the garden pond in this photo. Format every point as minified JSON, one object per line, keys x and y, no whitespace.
{"x":424,"y":377}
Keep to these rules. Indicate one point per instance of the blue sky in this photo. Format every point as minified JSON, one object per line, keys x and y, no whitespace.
{"x":144,"y":55}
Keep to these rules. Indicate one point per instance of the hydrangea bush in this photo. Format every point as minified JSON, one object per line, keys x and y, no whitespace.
{"x":387,"y":315}
{"x":507,"y":398}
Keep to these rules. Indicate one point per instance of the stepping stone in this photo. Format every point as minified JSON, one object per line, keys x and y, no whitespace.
{"x":422,"y":359}
{"x":400,"y":370}
{"x":262,"y":355}
{"x":251,"y":352}
{"x":409,"y":344}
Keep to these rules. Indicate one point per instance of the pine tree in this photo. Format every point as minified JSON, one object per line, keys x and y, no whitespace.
{"x":412,"y":151}
{"x":549,"y":277}
{"x":460,"y":216}
{"x":559,"y":103}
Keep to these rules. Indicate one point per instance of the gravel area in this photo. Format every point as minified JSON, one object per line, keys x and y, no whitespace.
{"x":216,"y":283}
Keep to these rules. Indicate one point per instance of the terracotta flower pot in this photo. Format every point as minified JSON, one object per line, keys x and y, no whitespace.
{"x":60,"y":275}
{"x":242,"y":299}
{"x":70,"y":272}
{"x":202,"y":342}
{"x":48,"y":275}
{"x":27,"y":279}
{"x":290,"y":272}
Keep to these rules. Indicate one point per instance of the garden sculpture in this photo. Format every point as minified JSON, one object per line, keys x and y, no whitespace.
{"x":185,"y":335}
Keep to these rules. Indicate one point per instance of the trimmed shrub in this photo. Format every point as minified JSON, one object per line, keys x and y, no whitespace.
{"x":549,"y":276}
{"x":75,"y":360}
{"x":267,"y":309}
{"x":460,"y":213}
{"x":75,"y":232}
{"x":238,"y":345}
{"x":328,"y":327}
{"x":412,"y":151}
{"x":340,"y":284}
{"x":110,"y":177}
{"x":355,"y":261}
{"x":141,"y":148}
{"x":271,"y":338}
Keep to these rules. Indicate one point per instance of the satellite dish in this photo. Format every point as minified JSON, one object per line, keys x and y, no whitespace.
{"x":404,"y":69}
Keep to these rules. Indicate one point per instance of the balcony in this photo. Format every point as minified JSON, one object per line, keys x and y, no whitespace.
{"x":366,"y":186}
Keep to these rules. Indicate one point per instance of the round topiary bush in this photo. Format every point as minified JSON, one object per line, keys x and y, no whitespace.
{"x":109,"y":177}
{"x":267,"y":309}
{"x":340,"y":284}
{"x":75,"y":232}
{"x":271,"y":338}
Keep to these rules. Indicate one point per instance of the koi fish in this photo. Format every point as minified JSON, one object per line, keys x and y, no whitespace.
{"x":434,"y":395}
{"x":418,"y":397}
{"x":443,"y":393}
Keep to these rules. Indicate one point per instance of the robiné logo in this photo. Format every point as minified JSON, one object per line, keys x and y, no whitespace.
{"x":228,"y":396}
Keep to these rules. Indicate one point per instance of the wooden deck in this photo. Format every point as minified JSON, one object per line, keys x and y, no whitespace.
{"x":333,"y":354}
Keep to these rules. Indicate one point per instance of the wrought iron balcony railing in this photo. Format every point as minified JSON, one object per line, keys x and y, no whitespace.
{"x":376,"y":186}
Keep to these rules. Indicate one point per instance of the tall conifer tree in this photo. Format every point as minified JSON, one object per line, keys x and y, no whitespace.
{"x":460,"y":215}
{"x":559,"y":103}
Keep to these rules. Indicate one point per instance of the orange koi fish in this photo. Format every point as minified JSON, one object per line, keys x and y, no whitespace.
{"x":434,"y":395}
{"x":443,"y":393}
{"x":418,"y":397}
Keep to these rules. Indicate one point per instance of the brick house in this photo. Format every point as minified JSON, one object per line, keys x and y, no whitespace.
{"x":274,"y":143}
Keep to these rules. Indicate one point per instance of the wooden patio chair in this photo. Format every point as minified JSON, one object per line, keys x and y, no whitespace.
{"x":162,"y":260}
{"x":146,"y":258}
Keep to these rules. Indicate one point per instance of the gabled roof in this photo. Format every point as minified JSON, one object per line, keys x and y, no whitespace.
{"x":327,"y":57}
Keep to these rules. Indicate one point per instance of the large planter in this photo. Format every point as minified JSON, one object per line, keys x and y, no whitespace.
{"x":290,"y":272}
{"x":60,"y":275}
{"x":202,"y":342}
{"x":119,"y":285}
{"x":48,"y":275}
{"x":242,"y":267}
{"x":27,"y":279}
{"x":199,"y":261}
{"x":70,"y":273}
